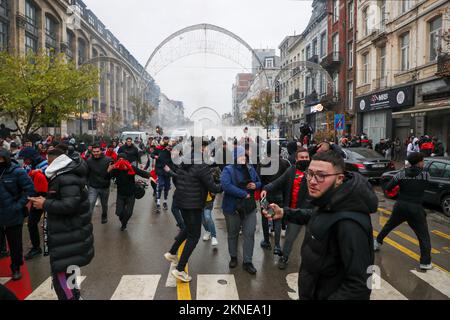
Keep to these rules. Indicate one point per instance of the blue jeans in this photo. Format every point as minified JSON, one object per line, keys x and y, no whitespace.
{"x":94,"y":193}
{"x":208,"y":222}
{"x":177,"y":214}
{"x":163,"y":184}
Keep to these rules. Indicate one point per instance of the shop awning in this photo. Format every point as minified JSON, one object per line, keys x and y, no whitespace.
{"x":421,"y":109}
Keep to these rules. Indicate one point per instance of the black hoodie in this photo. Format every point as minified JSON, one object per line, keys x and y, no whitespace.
{"x":338,"y":246}
{"x":412,"y":182}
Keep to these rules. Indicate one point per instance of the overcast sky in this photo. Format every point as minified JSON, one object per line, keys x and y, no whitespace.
{"x":202,"y":80}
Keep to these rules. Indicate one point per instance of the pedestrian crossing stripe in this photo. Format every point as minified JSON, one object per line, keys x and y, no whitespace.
{"x":46,"y":292}
{"x":436,"y":278}
{"x":386,"y":292}
{"x":217,"y":287}
{"x":138,"y":287}
{"x":4,"y":280}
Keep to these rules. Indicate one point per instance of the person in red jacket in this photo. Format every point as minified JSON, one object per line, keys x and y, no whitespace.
{"x":111,"y":153}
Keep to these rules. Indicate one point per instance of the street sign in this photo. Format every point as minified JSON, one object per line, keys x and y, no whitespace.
{"x":339,"y":122}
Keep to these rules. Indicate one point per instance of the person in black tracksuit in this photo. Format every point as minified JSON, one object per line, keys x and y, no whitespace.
{"x":163,"y":156}
{"x":193,"y":180}
{"x":412,"y":182}
{"x":337,"y":252}
{"x":273,"y":197}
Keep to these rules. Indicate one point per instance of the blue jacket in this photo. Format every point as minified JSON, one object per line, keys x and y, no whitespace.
{"x":233,"y":192}
{"x":15,"y":188}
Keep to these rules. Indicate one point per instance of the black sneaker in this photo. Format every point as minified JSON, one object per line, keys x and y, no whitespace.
{"x":165,"y":207}
{"x":4,"y":254}
{"x":158,"y":208}
{"x":104,"y":219}
{"x":233,"y":263}
{"x":16,"y":275}
{"x":282,"y":263}
{"x":33,"y":253}
{"x":123,"y":227}
{"x":249,"y":268}
{"x":277,"y":251}
{"x":266,"y":245}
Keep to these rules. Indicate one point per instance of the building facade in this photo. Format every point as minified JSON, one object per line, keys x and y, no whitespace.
{"x":403,"y":85}
{"x":68,"y":26}
{"x":239,"y":91}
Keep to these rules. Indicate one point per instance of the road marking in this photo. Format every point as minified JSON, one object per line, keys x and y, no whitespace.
{"x":386,"y":292}
{"x":4,"y":280}
{"x":216,"y":287}
{"x":441,"y":234}
{"x":385,"y":211}
{"x":437,"y":279}
{"x":406,"y":251}
{"x":136,"y":287}
{"x":183,"y":289}
{"x":45,"y":290}
{"x":382,"y":220}
{"x":171,"y":281}
{"x":292,"y":281}
{"x":412,"y":240}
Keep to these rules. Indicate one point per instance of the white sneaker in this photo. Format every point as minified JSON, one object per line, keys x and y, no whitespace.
{"x":182,"y":276}
{"x":214,"y":242}
{"x":171,"y":258}
{"x":426,"y":266}
{"x":207,"y":236}
{"x":376,"y":245}
{"x":283,"y":233}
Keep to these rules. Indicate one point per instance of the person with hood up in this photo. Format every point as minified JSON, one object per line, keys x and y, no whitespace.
{"x":69,"y":231}
{"x":412,"y":182}
{"x":413,"y":147}
{"x":193,"y":181}
{"x":337,"y":251}
{"x":15,"y":187}
{"x":36,"y":166}
{"x":163,"y":156}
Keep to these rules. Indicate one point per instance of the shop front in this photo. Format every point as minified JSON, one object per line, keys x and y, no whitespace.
{"x":375,"y":111}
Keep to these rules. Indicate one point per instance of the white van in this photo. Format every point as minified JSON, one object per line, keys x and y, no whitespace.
{"x":143,"y":136}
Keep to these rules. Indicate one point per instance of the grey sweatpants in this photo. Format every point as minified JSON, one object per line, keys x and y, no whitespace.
{"x":234,"y":223}
{"x":292,"y":232}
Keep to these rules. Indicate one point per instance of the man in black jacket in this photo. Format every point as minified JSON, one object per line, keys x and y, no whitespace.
{"x":69,"y":232}
{"x":99,"y":180}
{"x":294,"y":188}
{"x":131,"y":151}
{"x":193,"y":180}
{"x":337,"y":252}
{"x":412,"y":182}
{"x":162,"y":154}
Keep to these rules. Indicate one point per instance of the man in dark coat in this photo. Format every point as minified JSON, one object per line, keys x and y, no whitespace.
{"x":69,"y":229}
{"x":15,"y":188}
{"x":337,"y":252}
{"x":131,"y":151}
{"x":162,"y":154}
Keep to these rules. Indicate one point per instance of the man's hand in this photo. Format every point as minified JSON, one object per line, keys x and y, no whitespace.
{"x":166,"y":168}
{"x":38,"y":202}
{"x":279,"y":212}
{"x":251,"y":186}
{"x":263,"y":194}
{"x":111,"y":167}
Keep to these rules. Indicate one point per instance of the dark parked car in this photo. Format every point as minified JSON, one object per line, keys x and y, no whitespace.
{"x":367,"y":162}
{"x":438,"y":189}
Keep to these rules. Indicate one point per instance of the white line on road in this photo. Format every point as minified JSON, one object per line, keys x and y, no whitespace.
{"x":4,"y":280}
{"x":216,"y":287}
{"x":45,"y":290}
{"x":436,"y":278}
{"x":137,"y":287}
{"x":292,"y":281}
{"x":386,"y":292}
{"x":171,"y":281}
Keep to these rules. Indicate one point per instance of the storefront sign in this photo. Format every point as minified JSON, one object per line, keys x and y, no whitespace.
{"x":400,"y":97}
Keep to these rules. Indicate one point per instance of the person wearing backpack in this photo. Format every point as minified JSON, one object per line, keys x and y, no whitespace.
{"x":15,"y":188}
{"x":239,"y":182}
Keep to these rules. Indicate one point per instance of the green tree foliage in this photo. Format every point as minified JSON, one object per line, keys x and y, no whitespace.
{"x":39,"y":90}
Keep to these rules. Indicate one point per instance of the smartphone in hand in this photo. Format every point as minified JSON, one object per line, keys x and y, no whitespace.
{"x":266,"y":206}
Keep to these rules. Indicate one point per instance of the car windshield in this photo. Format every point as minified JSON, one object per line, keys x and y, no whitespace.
{"x":364,"y":153}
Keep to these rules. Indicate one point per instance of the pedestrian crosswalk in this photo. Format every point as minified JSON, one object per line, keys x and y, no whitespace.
{"x":225,"y":286}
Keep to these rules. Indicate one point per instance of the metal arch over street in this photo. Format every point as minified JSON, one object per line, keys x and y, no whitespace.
{"x":205,"y":27}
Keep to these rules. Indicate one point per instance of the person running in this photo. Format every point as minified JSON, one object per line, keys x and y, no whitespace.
{"x":110,"y":153}
{"x":412,"y":182}
{"x":273,"y":197}
{"x":294,"y":188}
{"x":36,"y":166}
{"x":70,"y":232}
{"x":131,"y":151}
{"x":162,"y":154}
{"x":15,"y":187}
{"x":99,"y":180}
{"x":337,"y":251}
{"x":239,"y":183}
{"x":193,"y":181}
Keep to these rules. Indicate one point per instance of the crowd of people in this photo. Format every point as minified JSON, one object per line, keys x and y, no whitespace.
{"x":60,"y":182}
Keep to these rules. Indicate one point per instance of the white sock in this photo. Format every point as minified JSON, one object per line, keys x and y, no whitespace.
{"x":158,"y":202}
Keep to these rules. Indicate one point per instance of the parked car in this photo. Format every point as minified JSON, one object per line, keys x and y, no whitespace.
{"x":367,"y":162}
{"x":438,"y":189}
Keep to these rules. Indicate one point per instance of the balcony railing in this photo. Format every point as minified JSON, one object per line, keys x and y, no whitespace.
{"x":313,"y":59}
{"x":443,"y":65}
{"x":332,"y":60}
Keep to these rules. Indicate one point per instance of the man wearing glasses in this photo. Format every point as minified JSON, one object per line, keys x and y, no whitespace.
{"x":337,"y":251}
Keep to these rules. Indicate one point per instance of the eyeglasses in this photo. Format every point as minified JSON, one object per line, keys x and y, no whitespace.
{"x":320,"y":177}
